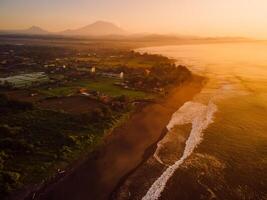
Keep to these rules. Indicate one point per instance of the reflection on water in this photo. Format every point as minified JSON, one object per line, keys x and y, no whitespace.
{"x":231,"y":160}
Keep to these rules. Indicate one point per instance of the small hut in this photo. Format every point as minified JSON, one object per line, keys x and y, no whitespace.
{"x":147,"y":72}
{"x":121,"y":75}
{"x":93,"y":69}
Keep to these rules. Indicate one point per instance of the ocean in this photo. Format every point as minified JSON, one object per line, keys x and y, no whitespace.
{"x":225,"y":152}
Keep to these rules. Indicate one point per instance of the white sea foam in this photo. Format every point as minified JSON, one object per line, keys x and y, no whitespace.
{"x":156,"y":156}
{"x":200,"y":116}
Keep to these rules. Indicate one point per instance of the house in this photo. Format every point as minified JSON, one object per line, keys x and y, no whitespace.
{"x":112,"y":75}
{"x":93,"y":69}
{"x":147,"y":71}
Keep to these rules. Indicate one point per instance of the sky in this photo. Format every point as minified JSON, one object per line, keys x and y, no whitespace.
{"x":246,"y":18}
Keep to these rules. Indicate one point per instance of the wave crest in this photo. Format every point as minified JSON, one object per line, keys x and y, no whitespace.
{"x":200,"y":116}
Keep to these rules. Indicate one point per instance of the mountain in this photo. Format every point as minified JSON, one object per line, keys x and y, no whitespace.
{"x":33,"y":30}
{"x":99,"y":28}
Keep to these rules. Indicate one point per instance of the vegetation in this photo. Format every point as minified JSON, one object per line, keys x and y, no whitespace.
{"x":103,"y":85}
{"x":35,"y":142}
{"x":132,"y":59}
{"x":159,"y":77}
{"x":44,"y":131}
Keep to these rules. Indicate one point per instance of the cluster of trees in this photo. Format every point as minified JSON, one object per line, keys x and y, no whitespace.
{"x":159,"y":76}
{"x":38,"y":53}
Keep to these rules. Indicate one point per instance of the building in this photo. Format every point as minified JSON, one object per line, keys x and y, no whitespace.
{"x":24,"y":80}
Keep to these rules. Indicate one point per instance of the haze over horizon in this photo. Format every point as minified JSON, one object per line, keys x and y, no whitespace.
{"x":243,"y":18}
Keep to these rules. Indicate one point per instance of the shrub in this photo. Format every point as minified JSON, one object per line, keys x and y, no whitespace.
{"x":11,"y":177}
{"x":19,"y":146}
{"x":6,"y":130}
{"x":3,"y":100}
{"x":8,"y":181}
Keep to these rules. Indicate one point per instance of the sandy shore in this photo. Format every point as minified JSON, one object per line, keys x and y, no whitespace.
{"x":151,"y":168}
{"x":128,"y":146}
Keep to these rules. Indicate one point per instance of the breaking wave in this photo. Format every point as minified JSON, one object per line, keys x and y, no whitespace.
{"x":200,"y":116}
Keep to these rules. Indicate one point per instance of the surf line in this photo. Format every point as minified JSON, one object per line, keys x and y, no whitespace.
{"x":200,"y":116}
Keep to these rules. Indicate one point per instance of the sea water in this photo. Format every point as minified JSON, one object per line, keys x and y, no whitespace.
{"x":225,"y":155}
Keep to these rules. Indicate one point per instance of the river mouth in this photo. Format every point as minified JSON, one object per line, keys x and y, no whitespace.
{"x":228,"y":160}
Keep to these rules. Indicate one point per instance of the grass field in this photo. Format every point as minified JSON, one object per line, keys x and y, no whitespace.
{"x":103,"y":85}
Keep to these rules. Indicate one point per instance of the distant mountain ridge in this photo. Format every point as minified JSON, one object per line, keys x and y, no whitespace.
{"x":108,"y":30}
{"x":33,"y":30}
{"x":99,"y":28}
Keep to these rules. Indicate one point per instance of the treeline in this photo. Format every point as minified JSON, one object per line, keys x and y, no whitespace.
{"x":158,"y":76}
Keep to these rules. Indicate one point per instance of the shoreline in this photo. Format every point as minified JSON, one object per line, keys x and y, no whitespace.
{"x":147,"y":154}
{"x":91,"y":167}
{"x":100,"y":175}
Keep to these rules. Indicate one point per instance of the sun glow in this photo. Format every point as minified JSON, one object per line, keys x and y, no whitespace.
{"x":188,"y":17}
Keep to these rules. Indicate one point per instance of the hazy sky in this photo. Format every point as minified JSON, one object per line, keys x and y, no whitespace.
{"x":193,"y":17}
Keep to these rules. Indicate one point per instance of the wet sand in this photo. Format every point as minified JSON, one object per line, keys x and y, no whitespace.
{"x":127,"y":147}
{"x":151,"y":168}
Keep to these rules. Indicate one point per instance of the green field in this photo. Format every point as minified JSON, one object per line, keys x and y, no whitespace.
{"x":103,"y":85}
